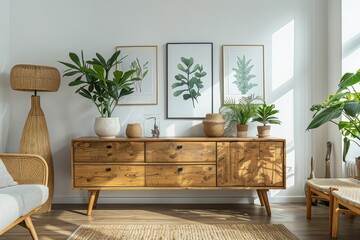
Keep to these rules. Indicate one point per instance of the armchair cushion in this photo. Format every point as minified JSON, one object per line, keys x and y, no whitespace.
{"x":5,"y":178}
{"x":17,"y":201}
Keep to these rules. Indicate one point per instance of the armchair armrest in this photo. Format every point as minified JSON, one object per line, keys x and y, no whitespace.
{"x":26,"y":168}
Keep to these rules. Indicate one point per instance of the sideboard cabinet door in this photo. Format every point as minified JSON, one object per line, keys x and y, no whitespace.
{"x":250,"y":164}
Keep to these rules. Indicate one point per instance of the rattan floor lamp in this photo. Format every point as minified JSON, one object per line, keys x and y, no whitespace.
{"x":35,"y":136}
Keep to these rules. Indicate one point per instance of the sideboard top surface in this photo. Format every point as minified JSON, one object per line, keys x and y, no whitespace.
{"x":182,"y":139}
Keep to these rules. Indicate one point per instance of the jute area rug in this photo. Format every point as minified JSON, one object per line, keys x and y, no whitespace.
{"x":183,"y":232}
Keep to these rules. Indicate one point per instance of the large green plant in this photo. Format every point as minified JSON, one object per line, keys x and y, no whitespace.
{"x":342,"y":109}
{"x":240,"y":112}
{"x":265,"y":114}
{"x":95,"y":83}
{"x":189,"y":80}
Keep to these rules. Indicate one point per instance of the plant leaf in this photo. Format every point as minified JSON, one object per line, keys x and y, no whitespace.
{"x":75,"y":58}
{"x":352,"y":108}
{"x":325,"y":116}
{"x":181,"y":68}
{"x":178,"y":92}
{"x":186,"y":96}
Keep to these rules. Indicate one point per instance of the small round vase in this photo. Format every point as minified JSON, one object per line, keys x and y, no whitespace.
{"x":133,"y":130}
{"x":107,"y":127}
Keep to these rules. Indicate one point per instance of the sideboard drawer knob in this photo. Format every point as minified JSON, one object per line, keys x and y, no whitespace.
{"x":108,"y":169}
{"x":179,"y":147}
{"x":180,"y":169}
{"x":109,"y":146}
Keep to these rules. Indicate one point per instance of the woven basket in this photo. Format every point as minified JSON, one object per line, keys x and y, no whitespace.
{"x":213,"y":128}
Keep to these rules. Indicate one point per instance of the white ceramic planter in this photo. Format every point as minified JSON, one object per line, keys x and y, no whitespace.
{"x":107,"y":127}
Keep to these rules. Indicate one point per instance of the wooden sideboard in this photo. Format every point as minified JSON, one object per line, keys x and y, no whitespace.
{"x":178,"y":163}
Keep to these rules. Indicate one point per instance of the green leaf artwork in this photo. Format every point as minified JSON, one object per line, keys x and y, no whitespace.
{"x":189,"y":80}
{"x":243,"y":75}
{"x":140,"y":73}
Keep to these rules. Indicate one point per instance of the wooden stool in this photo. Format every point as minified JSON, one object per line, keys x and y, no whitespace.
{"x":347,"y":197}
{"x":319,"y":188}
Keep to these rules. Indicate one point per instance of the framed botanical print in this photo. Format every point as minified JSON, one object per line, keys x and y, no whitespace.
{"x":142,"y":59}
{"x":243,"y":71}
{"x":189,"y":80}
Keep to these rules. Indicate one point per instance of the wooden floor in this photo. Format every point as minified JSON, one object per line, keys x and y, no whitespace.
{"x":64,"y":219}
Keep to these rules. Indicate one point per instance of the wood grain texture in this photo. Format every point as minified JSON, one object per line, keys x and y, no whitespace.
{"x":223,"y":164}
{"x":180,"y":152}
{"x":109,"y":151}
{"x":109,"y":175}
{"x":251,"y":164}
{"x":35,"y":140}
{"x":181,"y":175}
{"x":184,"y":139}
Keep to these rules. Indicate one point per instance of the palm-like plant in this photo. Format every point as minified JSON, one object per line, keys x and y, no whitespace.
{"x":241,"y":112}
{"x":265,"y":114}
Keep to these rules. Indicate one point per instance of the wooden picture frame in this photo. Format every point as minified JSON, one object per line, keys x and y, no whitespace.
{"x":144,"y":60}
{"x":243,"y":71}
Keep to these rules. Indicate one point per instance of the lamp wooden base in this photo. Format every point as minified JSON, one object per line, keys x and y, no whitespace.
{"x":35,"y":139}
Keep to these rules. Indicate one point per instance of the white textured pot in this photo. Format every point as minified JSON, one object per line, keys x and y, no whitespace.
{"x":107,"y":127}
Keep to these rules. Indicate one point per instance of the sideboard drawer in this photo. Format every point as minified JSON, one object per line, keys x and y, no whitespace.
{"x":177,"y":175}
{"x":108,"y":176}
{"x":108,"y":151}
{"x":172,"y":152}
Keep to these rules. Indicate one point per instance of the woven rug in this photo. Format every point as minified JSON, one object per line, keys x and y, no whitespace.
{"x":182,"y":232}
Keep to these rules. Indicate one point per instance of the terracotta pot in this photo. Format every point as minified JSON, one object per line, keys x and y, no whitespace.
{"x":133,"y":130}
{"x":242,"y":130}
{"x":263,"y":131}
{"x":106,"y":127}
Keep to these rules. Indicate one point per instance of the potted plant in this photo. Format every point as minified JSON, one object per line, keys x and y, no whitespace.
{"x":342,"y":109}
{"x":265,"y":114}
{"x":104,"y":88}
{"x":240,"y":113}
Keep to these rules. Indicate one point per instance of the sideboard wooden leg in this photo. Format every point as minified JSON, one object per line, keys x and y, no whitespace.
{"x":260,"y":197}
{"x":91,"y":201}
{"x":266,"y":201}
{"x":96,"y":198}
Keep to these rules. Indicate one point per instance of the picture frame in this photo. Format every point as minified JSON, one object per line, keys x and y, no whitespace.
{"x":189,"y":71}
{"x":243,"y":71}
{"x":144,"y":60}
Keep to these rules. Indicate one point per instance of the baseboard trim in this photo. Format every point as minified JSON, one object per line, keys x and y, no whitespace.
{"x":172,"y":200}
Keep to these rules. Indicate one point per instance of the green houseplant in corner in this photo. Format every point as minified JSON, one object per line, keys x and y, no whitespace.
{"x":342,"y":109}
{"x":240,"y":113}
{"x":104,"y":88}
{"x":265,"y":114}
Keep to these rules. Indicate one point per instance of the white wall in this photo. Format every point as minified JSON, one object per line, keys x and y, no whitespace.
{"x":293,"y":32}
{"x":334,"y":76}
{"x":4,"y":73}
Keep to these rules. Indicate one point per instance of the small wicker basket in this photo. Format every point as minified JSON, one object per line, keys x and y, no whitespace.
{"x":214,"y":125}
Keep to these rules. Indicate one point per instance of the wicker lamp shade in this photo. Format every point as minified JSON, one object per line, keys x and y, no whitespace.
{"x":26,"y":77}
